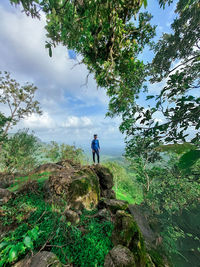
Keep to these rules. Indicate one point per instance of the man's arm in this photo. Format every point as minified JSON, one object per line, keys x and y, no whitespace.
{"x":92,"y":146}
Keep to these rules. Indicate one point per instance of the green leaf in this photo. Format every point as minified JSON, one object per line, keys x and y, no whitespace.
{"x":28,"y":242}
{"x":34,"y":233}
{"x":3,"y":244}
{"x":145,"y":3}
{"x":50,"y":51}
{"x":150,"y":97}
{"x":189,"y":159}
{"x":13,"y":254}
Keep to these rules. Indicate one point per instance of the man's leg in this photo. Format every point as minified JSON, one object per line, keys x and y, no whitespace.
{"x":93,"y":153}
{"x":97,"y":155}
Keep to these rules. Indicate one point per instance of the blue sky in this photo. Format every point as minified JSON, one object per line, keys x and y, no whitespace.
{"x":72,"y":112}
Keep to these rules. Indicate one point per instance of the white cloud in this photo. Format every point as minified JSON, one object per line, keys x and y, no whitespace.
{"x":25,"y":55}
{"x":35,"y":121}
{"x":62,"y":98}
{"x":77,"y":122}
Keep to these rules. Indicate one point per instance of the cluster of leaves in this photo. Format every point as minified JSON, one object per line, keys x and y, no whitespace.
{"x":107,"y":39}
{"x":3,"y":121}
{"x":11,"y":251}
{"x":45,"y":227}
{"x":110,"y":43}
{"x":20,"y":152}
{"x":58,"y":152}
{"x":176,"y":63}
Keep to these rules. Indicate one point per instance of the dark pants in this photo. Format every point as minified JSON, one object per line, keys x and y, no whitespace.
{"x":95,"y":152}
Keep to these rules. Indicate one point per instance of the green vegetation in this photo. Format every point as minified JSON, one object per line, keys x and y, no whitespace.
{"x":125,"y":184}
{"x":20,"y":181}
{"x":34,"y":224}
{"x":55,"y":152}
{"x":20,"y":152}
{"x":110,"y":36}
{"x":19,"y":99}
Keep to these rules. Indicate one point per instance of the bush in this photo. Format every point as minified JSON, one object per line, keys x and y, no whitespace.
{"x":56,"y":152}
{"x":19,"y":153}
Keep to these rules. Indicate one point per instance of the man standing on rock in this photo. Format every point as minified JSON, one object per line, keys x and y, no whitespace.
{"x":95,"y":148}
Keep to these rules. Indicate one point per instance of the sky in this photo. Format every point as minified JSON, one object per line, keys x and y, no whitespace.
{"x":72,"y":111}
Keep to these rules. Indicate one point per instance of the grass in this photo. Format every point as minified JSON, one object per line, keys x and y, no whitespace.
{"x":137,"y":199}
{"x":20,"y":181}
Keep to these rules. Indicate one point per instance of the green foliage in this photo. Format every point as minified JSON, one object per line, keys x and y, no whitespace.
{"x":3,"y":121}
{"x":56,"y":152}
{"x":125,"y":185}
{"x":34,"y":223}
{"x":19,"y":100}
{"x":189,"y":159}
{"x":176,"y":148}
{"x":170,"y":186}
{"x":107,"y":39}
{"x":176,"y":63}
{"x":19,"y":153}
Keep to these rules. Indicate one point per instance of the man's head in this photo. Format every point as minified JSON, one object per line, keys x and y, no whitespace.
{"x":95,"y":136}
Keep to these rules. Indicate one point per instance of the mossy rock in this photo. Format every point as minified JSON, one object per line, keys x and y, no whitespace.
{"x":119,"y":256}
{"x":127,"y":233}
{"x":105,"y":176}
{"x":124,"y":230}
{"x":72,"y":216}
{"x":58,"y":183}
{"x":113,"y":204}
{"x":41,"y":259}
{"x":84,"y":190}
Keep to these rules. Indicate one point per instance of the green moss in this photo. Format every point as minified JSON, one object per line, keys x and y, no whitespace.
{"x":85,"y":182}
{"x":80,"y":187}
{"x":157,"y":258}
{"x":127,"y":233}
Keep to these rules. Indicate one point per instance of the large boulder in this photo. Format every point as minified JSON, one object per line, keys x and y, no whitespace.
{"x":141,"y":217}
{"x":127,"y":233}
{"x":124,"y":229}
{"x":105,"y":176}
{"x":113,"y":204}
{"x":79,"y":187}
{"x":58,"y":183}
{"x":41,"y":259}
{"x":5,"y":195}
{"x":119,"y":256}
{"x":84,"y":190}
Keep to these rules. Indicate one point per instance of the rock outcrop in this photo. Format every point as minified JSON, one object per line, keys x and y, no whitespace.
{"x":89,"y":187}
{"x":79,"y":187}
{"x":119,"y":256}
{"x":41,"y":259}
{"x":113,"y":204}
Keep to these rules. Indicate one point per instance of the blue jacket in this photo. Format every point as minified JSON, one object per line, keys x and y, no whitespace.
{"x":95,"y":144}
